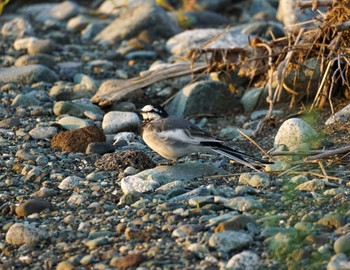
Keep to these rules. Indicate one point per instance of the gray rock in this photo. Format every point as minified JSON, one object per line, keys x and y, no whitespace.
{"x":26,"y":154}
{"x":290,"y":14}
{"x":17,"y":27}
{"x":69,"y":69}
{"x":312,"y":185}
{"x":94,"y":243}
{"x":342,"y":244}
{"x":37,"y":59}
{"x":149,"y":180}
{"x":141,"y":17}
{"x":86,"y":81}
{"x":187,"y":229}
{"x":9,"y":122}
{"x":21,"y":233}
{"x":44,"y":192}
{"x":251,"y":97}
{"x":243,"y":204}
{"x":229,"y":240}
{"x":52,"y":12}
{"x":181,"y":43}
{"x":195,"y":193}
{"x":72,"y":122}
{"x":69,"y":182}
{"x":339,"y":262}
{"x":27,"y":75}
{"x":247,"y":260}
{"x":295,"y":133}
{"x":205,"y":97}
{"x":255,"y":179}
{"x":341,"y":116}
{"x":76,"y":199}
{"x":24,"y":101}
{"x":231,"y":132}
{"x":114,"y":122}
{"x":41,"y":46}
{"x":43,"y":132}
{"x":164,"y":189}
{"x":100,"y":148}
{"x":74,"y":108}
{"x":92,"y":29}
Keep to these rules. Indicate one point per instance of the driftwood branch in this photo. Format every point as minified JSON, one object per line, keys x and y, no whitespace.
{"x":329,"y":153}
{"x":115,"y":90}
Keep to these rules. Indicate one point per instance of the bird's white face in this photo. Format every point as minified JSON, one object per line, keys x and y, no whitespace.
{"x":151,"y":113}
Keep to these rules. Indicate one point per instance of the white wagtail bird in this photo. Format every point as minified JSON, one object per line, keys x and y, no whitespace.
{"x":173,"y":138}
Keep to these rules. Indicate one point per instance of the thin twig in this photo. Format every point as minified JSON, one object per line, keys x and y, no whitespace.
{"x":255,"y":143}
{"x":329,"y":153}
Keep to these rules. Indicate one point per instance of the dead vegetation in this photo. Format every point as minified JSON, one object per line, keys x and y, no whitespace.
{"x":316,"y":51}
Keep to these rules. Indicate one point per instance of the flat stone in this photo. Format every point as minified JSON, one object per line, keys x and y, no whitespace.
{"x":150,"y":179}
{"x":32,"y":206}
{"x":20,"y":233}
{"x":10,"y":122}
{"x":138,"y":18}
{"x":27,"y":75}
{"x":74,"y":108}
{"x":243,"y":204}
{"x":43,"y":132}
{"x":72,"y":122}
{"x":41,"y":46}
{"x":37,"y":59}
{"x":229,"y":240}
{"x":312,"y":185}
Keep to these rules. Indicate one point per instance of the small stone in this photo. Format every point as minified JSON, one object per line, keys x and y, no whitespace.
{"x":10,"y":122}
{"x":114,"y":122}
{"x":27,"y":75}
{"x":43,"y":132}
{"x":339,"y":262}
{"x":65,"y":265}
{"x":255,"y":179}
{"x":332,"y":220}
{"x":94,"y":243}
{"x":44,"y":192}
{"x":246,"y":260}
{"x":229,"y":240}
{"x":236,"y":223}
{"x":99,"y":148}
{"x":243,"y":204}
{"x":312,"y":185}
{"x":164,"y":189}
{"x":20,"y":234}
{"x":72,"y":122}
{"x":69,"y":182}
{"x":87,"y":259}
{"x":32,"y":206}
{"x":41,"y":46}
{"x":74,"y":109}
{"x":130,"y":260}
{"x":77,"y":140}
{"x":17,"y":27}
{"x":342,"y":244}
{"x":75,"y":199}
{"x":24,"y":101}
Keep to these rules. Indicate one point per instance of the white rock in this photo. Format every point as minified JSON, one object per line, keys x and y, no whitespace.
{"x":295,"y":132}
{"x":69,"y":182}
{"x":21,"y":233}
{"x":72,"y":122}
{"x":229,"y":240}
{"x":341,"y":116}
{"x":24,"y":43}
{"x":43,"y":132}
{"x":133,"y":183}
{"x":247,"y":260}
{"x":76,"y":199}
{"x":115,"y":121}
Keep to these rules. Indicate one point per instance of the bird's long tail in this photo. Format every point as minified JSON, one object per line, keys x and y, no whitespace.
{"x":239,"y":157}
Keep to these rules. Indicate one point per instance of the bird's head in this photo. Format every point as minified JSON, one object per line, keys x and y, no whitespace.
{"x":153,"y":112}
